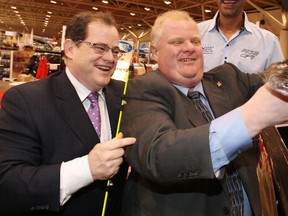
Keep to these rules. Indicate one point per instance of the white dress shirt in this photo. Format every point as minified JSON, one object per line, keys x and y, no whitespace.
{"x":71,"y":181}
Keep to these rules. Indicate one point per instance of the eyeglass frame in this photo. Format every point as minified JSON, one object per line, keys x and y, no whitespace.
{"x":105,"y":47}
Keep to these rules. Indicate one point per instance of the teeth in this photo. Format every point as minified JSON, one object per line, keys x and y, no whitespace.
{"x":186,"y":60}
{"x":229,"y":2}
{"x":103,"y":68}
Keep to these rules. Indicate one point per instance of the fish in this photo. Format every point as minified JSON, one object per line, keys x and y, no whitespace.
{"x":276,"y":75}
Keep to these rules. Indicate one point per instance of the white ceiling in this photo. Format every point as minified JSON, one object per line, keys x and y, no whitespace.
{"x":34,"y":12}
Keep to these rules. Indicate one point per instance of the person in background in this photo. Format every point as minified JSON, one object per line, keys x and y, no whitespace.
{"x":181,"y":154}
{"x":52,"y":161}
{"x":231,"y":37}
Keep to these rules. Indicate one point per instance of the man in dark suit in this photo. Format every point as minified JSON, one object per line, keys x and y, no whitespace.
{"x":179,"y":159}
{"x":52,"y":162}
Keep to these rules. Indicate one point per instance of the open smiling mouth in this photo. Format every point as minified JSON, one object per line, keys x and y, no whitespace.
{"x":187,"y":60}
{"x":229,"y":2}
{"x":103,"y":68}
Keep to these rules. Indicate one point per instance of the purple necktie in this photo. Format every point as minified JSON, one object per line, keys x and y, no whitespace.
{"x":94,"y":112}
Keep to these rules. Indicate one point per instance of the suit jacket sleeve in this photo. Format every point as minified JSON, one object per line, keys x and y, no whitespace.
{"x":20,"y":158}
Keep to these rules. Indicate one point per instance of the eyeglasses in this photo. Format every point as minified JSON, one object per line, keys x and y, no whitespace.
{"x":101,"y":48}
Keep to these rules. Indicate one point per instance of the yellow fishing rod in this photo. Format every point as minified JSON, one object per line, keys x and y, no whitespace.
{"x":109,"y":182}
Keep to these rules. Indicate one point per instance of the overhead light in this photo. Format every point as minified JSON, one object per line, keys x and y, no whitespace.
{"x":94,"y":8}
{"x":139,"y":24}
{"x":132,"y":14}
{"x":53,"y":2}
{"x":105,"y":2}
{"x":13,"y":7}
{"x":207,"y":10}
{"x":16,"y":11}
{"x":147,"y":9}
{"x":48,"y":15}
{"x":167,"y":2}
{"x":49,"y":12}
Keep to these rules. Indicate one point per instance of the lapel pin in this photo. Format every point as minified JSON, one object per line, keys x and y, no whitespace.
{"x":219,"y":84}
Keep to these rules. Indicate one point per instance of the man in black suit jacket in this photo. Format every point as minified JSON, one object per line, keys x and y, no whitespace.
{"x":52,"y":162}
{"x":179,"y":158}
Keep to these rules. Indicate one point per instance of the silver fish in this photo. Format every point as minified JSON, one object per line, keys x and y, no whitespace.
{"x":276,"y":75}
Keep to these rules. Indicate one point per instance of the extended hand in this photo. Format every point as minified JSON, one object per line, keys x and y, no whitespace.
{"x":105,"y":158}
{"x":266,"y":108}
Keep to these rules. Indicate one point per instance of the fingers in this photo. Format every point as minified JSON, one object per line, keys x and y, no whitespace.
{"x":112,"y":168}
{"x":120,"y":142}
{"x":105,"y":158}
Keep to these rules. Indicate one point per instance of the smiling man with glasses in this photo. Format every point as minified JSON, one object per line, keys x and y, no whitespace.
{"x":101,"y":48}
{"x":52,"y":161}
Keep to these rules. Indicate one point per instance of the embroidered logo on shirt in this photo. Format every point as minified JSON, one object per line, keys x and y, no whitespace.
{"x":208,"y":50}
{"x":246,"y":53}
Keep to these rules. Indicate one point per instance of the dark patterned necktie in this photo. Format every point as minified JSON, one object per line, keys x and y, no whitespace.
{"x":232,"y":180}
{"x":94,"y":112}
{"x":200,"y":106}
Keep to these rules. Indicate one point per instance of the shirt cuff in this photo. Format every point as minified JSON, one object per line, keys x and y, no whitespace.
{"x":74,"y":175}
{"x":228,"y":138}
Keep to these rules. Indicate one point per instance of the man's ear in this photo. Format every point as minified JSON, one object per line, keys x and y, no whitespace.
{"x":154,"y":53}
{"x":68,"y":48}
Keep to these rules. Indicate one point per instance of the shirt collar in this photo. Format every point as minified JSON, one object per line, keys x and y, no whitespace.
{"x":246,"y":25}
{"x":81,"y":90}
{"x":184,"y":90}
{"x":213,"y":24}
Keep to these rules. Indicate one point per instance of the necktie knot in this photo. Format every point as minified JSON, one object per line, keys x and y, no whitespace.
{"x":93,"y":98}
{"x":193,"y":95}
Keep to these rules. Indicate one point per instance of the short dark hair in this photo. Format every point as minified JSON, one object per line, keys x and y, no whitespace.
{"x":77,"y":28}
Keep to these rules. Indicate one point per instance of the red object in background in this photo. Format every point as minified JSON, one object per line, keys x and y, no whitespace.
{"x":43,"y":69}
{"x":1,"y":94}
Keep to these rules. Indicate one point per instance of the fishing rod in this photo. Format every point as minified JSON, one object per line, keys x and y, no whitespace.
{"x":123,"y":102}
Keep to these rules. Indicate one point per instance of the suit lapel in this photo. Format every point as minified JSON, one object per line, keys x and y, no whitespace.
{"x":73,"y":112}
{"x":113,"y":106}
{"x":216,"y":95}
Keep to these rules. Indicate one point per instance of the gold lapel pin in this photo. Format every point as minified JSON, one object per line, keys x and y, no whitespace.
{"x":219,"y":84}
